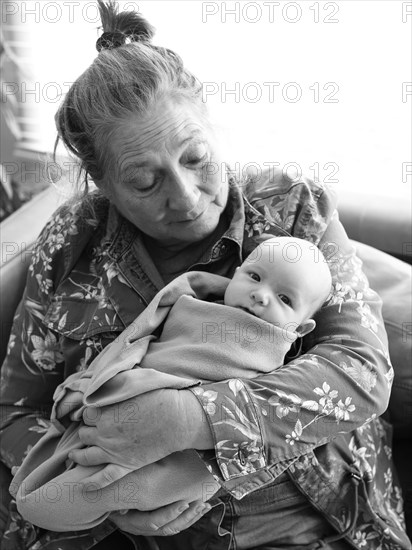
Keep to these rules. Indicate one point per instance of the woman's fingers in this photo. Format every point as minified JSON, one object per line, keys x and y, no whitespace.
{"x":90,"y":456}
{"x":195,"y":511}
{"x":166,"y":521}
{"x":88,"y":435}
{"x":106,"y":476}
{"x":148,"y":523}
{"x":91,"y":415}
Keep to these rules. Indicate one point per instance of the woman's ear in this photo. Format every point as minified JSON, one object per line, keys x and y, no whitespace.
{"x":305,"y":327}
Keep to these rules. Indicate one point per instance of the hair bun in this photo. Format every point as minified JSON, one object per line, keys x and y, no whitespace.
{"x":110,"y":40}
{"x":121,"y":28}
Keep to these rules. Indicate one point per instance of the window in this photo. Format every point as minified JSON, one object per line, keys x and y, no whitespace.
{"x":321,"y":88}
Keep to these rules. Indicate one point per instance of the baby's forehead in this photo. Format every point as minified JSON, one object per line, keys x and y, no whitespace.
{"x":292,"y":253}
{"x":291,"y":264}
{"x":288,"y":247}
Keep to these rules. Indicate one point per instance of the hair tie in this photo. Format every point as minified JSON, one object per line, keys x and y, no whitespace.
{"x":110,"y":40}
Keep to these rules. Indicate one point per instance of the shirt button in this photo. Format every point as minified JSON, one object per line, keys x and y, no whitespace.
{"x":242,"y":458}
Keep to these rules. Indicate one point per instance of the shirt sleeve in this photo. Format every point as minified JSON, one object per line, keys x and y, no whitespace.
{"x":341,"y":381}
{"x":33,"y":366}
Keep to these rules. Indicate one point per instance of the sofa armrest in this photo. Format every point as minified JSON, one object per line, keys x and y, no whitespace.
{"x":382,"y":222}
{"x":18,"y":233}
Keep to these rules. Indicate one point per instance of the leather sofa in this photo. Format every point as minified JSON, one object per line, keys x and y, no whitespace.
{"x":381,"y":230}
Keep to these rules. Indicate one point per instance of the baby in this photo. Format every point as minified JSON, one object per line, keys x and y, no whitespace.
{"x":284,"y":281}
{"x":267,"y":305}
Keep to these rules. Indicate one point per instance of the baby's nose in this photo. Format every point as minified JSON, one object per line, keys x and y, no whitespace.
{"x":260,"y":296}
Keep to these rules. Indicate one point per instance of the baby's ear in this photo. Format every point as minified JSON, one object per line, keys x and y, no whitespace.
{"x":306,"y":327}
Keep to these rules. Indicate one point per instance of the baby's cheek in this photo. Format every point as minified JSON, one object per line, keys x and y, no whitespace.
{"x":227,"y":299}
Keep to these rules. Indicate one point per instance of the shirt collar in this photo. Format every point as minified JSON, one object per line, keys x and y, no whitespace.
{"x":236,"y":213}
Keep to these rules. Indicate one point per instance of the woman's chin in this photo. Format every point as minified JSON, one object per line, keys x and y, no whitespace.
{"x":196,"y":230}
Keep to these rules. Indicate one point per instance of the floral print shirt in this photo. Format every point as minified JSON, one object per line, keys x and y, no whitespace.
{"x":318,"y":416}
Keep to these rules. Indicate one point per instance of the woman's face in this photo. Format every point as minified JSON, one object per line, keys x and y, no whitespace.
{"x":165,"y":175}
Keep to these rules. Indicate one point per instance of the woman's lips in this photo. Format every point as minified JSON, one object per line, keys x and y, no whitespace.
{"x":190,"y":218}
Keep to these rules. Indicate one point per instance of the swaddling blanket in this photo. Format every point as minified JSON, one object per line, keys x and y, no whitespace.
{"x":199,"y":341}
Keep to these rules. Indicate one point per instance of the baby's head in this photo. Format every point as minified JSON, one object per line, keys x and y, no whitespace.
{"x":284,"y":281}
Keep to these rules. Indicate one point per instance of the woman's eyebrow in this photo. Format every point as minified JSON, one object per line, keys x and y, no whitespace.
{"x":144,"y":163}
{"x":130,"y":170}
{"x":196,"y":135}
{"x":141,"y":164}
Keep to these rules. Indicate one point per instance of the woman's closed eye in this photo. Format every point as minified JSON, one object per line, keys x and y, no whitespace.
{"x":144,"y":181}
{"x":196,"y":154}
{"x":195,"y":161}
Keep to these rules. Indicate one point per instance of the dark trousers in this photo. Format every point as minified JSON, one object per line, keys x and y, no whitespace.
{"x":273,"y":518}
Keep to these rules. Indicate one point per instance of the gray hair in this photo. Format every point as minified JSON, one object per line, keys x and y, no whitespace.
{"x":123,"y":80}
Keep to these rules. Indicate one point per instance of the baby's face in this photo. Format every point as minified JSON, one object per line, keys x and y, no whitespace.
{"x":274,"y":289}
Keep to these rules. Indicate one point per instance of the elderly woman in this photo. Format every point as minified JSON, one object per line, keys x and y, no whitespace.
{"x":300,"y":454}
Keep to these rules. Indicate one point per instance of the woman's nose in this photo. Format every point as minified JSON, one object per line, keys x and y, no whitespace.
{"x":183,"y":193}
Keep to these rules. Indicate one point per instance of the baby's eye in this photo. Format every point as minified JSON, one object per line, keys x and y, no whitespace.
{"x":285,"y":299}
{"x":254,"y":276}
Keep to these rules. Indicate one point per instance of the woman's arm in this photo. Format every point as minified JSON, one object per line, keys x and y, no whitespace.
{"x":265,"y":423}
{"x":36,"y":363}
{"x":343,"y":379}
{"x":31,"y":370}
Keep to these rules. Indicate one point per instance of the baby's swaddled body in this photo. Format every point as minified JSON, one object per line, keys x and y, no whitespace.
{"x":200,"y":341}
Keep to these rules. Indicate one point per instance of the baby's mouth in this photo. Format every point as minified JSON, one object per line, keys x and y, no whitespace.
{"x":248,"y":310}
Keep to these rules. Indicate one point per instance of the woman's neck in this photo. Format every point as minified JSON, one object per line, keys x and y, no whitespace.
{"x":172,"y":260}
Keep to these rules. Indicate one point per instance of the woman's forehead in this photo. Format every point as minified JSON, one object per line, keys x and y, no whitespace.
{"x":169,"y":128}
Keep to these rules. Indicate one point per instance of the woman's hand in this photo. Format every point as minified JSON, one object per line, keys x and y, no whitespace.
{"x":165,"y":521}
{"x":141,"y":431}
